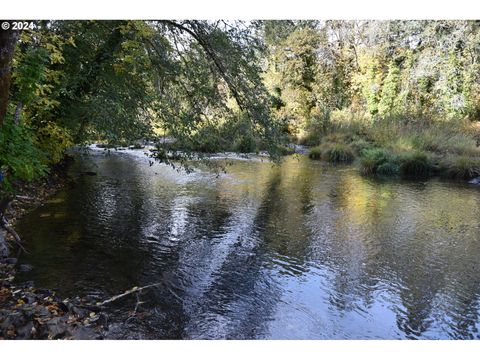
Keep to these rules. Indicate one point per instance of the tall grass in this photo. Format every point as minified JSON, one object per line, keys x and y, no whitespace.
{"x":461,"y":167}
{"x":406,"y":146}
{"x":416,"y":163}
{"x":332,"y":152}
{"x":378,"y":161}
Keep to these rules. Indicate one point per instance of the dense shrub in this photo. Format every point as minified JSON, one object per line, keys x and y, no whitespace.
{"x":19,"y":157}
{"x":245,"y":143}
{"x":53,"y":140}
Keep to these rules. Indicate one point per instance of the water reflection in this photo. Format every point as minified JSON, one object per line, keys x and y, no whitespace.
{"x":301,"y":251}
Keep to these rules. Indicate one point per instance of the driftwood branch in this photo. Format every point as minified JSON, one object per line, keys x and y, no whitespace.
{"x":133,"y":290}
{"x":9,"y":229}
{"x":134,"y":313}
{"x":16,"y":237}
{"x":5,"y":226}
{"x":24,"y":198}
{"x":139,"y":302}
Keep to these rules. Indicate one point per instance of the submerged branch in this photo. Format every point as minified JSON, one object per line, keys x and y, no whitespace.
{"x":9,"y":229}
{"x":5,"y":204}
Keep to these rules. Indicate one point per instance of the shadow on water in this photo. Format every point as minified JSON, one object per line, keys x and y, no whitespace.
{"x":298,"y":251}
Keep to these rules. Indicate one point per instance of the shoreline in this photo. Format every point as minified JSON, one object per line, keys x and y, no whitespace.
{"x":27,"y":312}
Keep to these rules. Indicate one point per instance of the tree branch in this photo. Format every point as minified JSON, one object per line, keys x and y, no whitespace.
{"x":128,"y":292}
{"x":211,"y":54}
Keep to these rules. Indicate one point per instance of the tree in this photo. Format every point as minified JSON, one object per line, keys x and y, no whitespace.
{"x":8,"y":39}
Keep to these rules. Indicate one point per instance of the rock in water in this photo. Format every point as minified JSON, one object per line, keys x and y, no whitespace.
{"x":25,"y":268}
{"x":475,"y":181}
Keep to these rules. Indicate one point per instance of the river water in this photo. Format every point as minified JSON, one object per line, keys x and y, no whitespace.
{"x":297,"y":251}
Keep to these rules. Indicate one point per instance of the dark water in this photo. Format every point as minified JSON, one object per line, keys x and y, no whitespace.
{"x":301,"y":251}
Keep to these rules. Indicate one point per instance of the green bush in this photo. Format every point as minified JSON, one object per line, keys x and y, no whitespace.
{"x":19,"y":157}
{"x":206,"y":140}
{"x":53,"y":140}
{"x":245,"y":143}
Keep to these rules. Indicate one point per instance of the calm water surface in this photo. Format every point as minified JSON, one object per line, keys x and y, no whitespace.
{"x":299,"y":251}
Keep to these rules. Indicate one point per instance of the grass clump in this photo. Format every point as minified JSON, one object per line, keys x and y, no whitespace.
{"x":359,"y":145}
{"x":315,"y":153}
{"x":378,"y":161}
{"x":443,"y":142}
{"x":416,"y":163}
{"x":310,"y":139}
{"x":411,"y":146}
{"x":461,"y":167}
{"x":332,"y":152}
{"x":335,"y":153}
{"x":388,"y":168}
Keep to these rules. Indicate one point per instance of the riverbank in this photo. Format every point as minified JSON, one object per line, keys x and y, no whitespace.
{"x":26,"y":311}
{"x":409,"y":149}
{"x":31,"y":313}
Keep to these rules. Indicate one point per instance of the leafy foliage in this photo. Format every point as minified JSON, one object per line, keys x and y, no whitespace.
{"x":19,"y":157}
{"x":247,"y":86}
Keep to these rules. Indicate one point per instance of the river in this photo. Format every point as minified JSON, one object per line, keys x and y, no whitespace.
{"x":303,"y":250}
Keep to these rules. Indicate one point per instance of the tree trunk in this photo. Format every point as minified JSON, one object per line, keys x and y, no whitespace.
{"x":18,"y":113}
{"x":8,"y":39}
